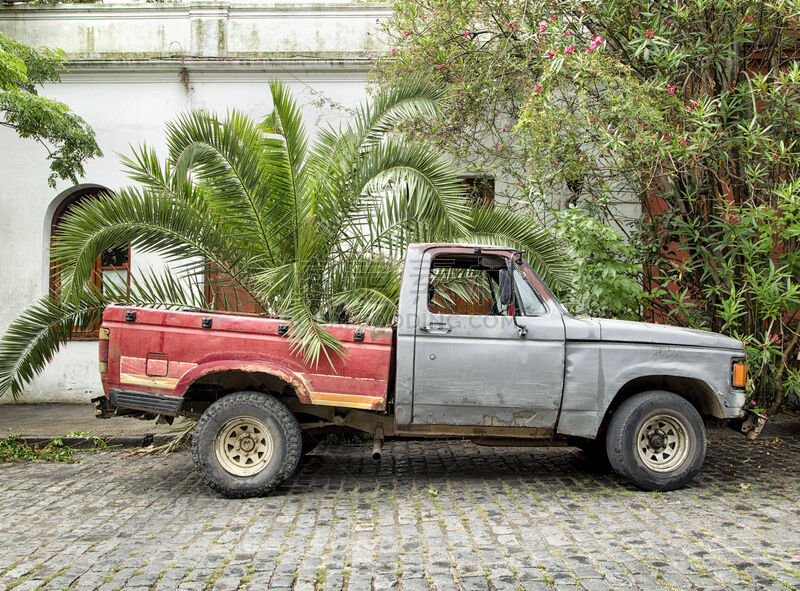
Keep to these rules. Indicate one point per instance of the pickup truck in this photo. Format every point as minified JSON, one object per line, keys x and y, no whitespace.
{"x":481,"y":350}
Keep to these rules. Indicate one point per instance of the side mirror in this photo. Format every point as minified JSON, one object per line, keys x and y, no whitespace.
{"x":506,"y":288}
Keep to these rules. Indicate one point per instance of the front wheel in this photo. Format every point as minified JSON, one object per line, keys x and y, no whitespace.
{"x":246,"y":444}
{"x":656,"y":440}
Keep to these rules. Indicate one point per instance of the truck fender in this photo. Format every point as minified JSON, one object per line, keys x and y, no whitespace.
{"x":280,"y":372}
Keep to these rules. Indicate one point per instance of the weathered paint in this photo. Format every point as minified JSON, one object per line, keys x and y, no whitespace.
{"x":248,"y":343}
{"x":477,"y":370}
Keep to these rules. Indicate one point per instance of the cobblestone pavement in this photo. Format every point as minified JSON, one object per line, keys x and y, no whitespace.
{"x":432,"y":515}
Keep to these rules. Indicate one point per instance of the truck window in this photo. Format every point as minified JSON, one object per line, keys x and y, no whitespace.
{"x":466,"y":285}
{"x":531,"y":304}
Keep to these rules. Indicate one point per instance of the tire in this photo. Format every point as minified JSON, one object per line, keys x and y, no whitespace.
{"x":246,"y":444}
{"x":656,"y":440}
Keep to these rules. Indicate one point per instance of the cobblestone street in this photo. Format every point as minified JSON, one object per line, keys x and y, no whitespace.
{"x":431,"y":515}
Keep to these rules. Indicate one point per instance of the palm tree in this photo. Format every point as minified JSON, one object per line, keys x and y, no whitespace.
{"x":314,"y":234}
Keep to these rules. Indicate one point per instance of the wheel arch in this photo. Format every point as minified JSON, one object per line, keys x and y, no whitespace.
{"x":207,"y":383}
{"x":697,"y":392}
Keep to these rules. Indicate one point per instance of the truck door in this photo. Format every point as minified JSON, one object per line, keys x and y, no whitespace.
{"x":471,"y":366}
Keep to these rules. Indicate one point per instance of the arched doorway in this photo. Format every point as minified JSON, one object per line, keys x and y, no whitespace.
{"x":111,"y":267}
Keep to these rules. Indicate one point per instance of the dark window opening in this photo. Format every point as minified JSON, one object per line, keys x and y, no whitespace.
{"x":480,"y":189}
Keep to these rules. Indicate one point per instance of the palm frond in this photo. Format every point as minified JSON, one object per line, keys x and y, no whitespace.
{"x":366,"y":289}
{"x":37,"y":334}
{"x":144,"y":166}
{"x":34,"y":338}
{"x":309,"y":338}
{"x":417,"y":97}
{"x":152,"y":222}
{"x":499,"y":225}
{"x":287,"y":121}
{"x":434,"y":192}
{"x":236,"y":164}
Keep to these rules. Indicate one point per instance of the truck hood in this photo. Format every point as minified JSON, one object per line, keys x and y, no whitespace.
{"x":643,"y":332}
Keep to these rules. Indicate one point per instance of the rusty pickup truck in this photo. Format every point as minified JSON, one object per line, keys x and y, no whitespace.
{"x":481,"y":350}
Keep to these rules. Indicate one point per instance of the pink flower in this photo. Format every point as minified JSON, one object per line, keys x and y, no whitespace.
{"x":550,"y":54}
{"x":569,"y":49}
{"x":405,"y":34}
{"x":776,"y":338}
{"x":505,"y":128}
{"x":670,"y":89}
{"x":553,"y":18}
{"x":542,"y":26}
{"x":556,"y":164}
{"x":649,"y":33}
{"x":683,"y":142}
{"x":466,"y":33}
{"x":377,"y":20}
{"x":596,"y":40}
{"x":395,"y":51}
{"x":752,"y":402}
{"x":667,"y":137}
{"x":693,"y":105}
{"x":439,"y":67}
{"x":593,"y":119}
{"x":537,"y":88}
{"x":567,"y":33}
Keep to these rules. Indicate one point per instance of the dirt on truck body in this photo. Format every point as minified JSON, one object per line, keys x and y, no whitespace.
{"x":481,"y":349}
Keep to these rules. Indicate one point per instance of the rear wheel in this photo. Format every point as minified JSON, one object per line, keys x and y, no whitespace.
{"x":656,"y":440}
{"x":246,"y":444}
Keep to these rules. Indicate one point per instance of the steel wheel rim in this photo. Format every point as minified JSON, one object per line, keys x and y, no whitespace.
{"x":663,"y":442}
{"x":243,"y":446}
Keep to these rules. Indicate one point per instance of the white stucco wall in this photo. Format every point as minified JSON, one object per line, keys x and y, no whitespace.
{"x":129,"y":68}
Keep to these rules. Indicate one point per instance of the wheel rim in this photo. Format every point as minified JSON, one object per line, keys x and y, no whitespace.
{"x":243,"y":446}
{"x":663,"y":443}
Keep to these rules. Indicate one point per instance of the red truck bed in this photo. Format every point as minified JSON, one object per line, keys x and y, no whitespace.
{"x":157,"y":352}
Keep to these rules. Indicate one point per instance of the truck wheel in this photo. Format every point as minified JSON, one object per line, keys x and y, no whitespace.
{"x":656,"y":440}
{"x":246,"y":444}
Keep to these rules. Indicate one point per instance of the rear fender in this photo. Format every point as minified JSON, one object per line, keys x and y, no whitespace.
{"x":300,"y":387}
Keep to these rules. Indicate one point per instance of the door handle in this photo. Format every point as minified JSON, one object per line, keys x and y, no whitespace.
{"x":436,"y":327}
